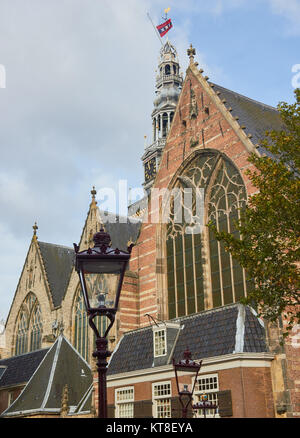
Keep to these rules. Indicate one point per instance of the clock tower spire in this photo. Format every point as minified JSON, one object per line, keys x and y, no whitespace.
{"x":168,"y":87}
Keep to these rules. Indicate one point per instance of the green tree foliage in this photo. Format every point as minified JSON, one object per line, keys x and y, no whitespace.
{"x":270,"y":224}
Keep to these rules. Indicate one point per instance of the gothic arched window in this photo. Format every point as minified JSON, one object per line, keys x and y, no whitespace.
{"x":36,"y":329}
{"x":200,"y":273}
{"x":29,"y":326}
{"x":167,"y":70}
{"x":81,"y":332}
{"x":22,"y":334}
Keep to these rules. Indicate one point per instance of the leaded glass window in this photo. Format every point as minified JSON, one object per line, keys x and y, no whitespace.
{"x":36,"y":329}
{"x":81,"y":342}
{"x":22,"y":334}
{"x":29,"y":326}
{"x":200,"y":273}
{"x":81,"y":327}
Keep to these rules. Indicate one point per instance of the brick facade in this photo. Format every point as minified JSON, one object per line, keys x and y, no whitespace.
{"x":256,"y":391}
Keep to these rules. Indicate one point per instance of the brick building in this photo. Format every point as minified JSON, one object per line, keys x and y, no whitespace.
{"x":179,"y":276}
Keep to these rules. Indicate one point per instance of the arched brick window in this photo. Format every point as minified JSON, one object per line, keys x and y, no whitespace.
{"x":200,"y":273}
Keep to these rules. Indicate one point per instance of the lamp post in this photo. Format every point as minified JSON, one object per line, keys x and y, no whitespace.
{"x":186,"y":365}
{"x":101,"y":271}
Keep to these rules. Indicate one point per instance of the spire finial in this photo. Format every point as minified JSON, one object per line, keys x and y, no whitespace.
{"x":191,"y":53}
{"x":94,"y":193}
{"x":35,"y":227}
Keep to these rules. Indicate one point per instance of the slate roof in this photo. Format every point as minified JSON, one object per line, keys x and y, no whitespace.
{"x":62,"y":365}
{"x":19,"y":369}
{"x":225,"y":330}
{"x":257,"y":117}
{"x":120,"y":228}
{"x":58,"y":261}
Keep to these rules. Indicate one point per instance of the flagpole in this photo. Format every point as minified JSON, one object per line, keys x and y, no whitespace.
{"x":158,"y":36}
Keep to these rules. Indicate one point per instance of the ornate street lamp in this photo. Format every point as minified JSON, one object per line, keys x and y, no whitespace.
{"x":187,"y":365}
{"x":101,"y":271}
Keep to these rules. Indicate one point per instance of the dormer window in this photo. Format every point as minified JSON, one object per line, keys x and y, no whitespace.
{"x":160,"y":342}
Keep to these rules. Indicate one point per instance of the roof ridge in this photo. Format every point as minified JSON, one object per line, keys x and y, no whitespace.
{"x":57,"y":245}
{"x":245,"y":97}
{"x":24,"y":354}
{"x":185,"y":317}
{"x":202,"y":312}
{"x":117,"y":215}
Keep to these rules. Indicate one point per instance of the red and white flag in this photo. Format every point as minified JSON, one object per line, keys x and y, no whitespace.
{"x":164,"y":27}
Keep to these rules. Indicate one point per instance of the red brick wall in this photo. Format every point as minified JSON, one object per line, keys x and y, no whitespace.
{"x":219,"y":135}
{"x":251,"y":391}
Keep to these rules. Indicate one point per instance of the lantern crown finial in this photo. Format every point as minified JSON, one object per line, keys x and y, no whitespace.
{"x":187,"y":355}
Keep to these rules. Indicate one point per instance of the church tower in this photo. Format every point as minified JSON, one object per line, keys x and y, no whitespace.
{"x":168,"y":87}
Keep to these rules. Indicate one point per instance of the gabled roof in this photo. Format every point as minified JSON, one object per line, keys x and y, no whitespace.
{"x":225,"y":330}
{"x":19,"y":369}
{"x":58,"y":261}
{"x":257,"y":117}
{"x":62,"y":365}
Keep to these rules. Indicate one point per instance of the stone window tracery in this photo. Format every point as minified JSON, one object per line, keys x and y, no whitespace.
{"x":82,"y":331}
{"x":81,"y":341}
{"x":200,"y":273}
{"x":29,"y":326}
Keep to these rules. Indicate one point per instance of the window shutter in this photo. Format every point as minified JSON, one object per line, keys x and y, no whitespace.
{"x":225,"y":403}
{"x":176,"y":410}
{"x":143,"y":409}
{"x":110,"y":411}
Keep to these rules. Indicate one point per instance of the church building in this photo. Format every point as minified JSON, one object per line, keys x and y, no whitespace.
{"x":181,"y":289}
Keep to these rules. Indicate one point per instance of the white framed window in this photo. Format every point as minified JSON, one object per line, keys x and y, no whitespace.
{"x":161,"y":396}
{"x":124,"y":402}
{"x":160,"y":342}
{"x":207,"y":384}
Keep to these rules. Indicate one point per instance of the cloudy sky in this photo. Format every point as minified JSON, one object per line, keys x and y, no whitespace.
{"x":80,"y":78}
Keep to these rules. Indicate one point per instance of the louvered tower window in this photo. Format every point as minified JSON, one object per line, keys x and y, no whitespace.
{"x":200,"y":273}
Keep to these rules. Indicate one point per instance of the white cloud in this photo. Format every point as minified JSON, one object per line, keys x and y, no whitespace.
{"x":289,"y":9}
{"x":80,"y":78}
